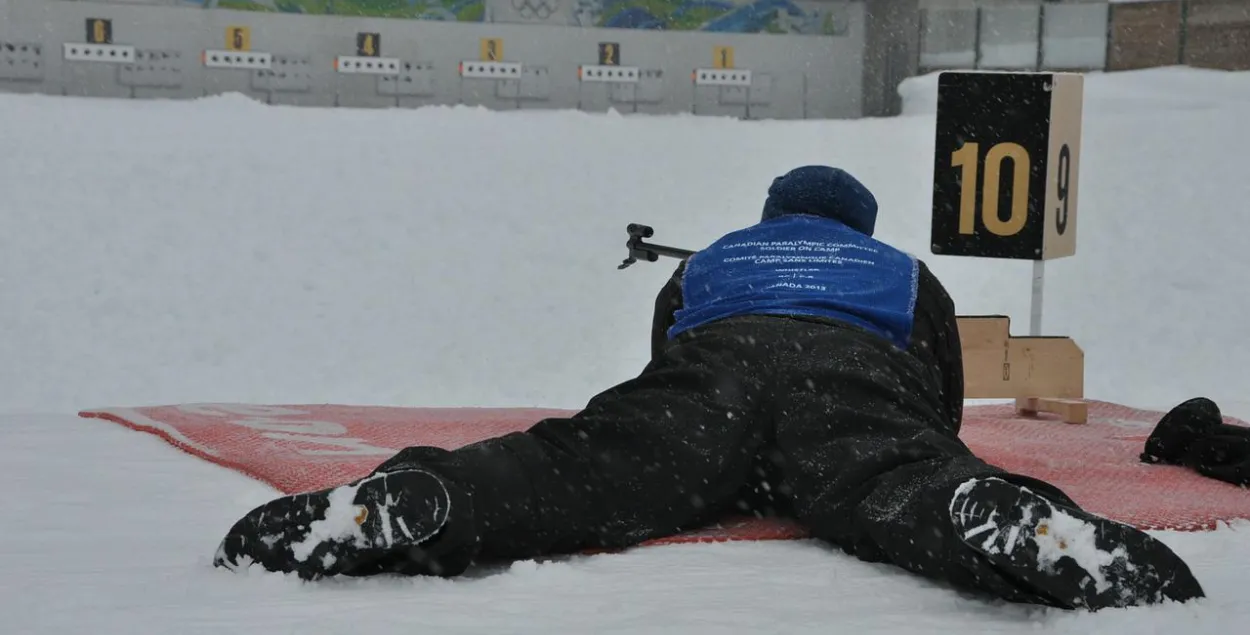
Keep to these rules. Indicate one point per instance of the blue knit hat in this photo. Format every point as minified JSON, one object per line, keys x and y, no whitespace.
{"x":820,"y":190}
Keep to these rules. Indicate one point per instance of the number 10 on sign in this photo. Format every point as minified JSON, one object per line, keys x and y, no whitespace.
{"x":968,"y":157}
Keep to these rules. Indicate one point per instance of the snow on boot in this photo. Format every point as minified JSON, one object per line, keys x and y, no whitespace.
{"x":1074,"y":558}
{"x":334,"y":531}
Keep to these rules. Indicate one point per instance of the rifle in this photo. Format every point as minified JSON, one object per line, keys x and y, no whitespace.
{"x":650,"y":252}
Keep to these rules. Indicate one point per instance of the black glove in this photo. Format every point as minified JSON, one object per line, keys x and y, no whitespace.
{"x":1222,"y":456}
{"x":1194,"y":435}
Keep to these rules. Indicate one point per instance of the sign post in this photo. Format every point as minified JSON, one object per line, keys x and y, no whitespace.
{"x":1006,"y":170}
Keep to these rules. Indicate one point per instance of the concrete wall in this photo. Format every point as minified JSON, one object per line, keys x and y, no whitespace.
{"x":891,"y":53}
{"x":1217,"y":34}
{"x":1145,"y":35}
{"x":792,"y":76}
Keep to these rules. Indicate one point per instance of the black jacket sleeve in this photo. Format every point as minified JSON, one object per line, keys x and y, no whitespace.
{"x":666,"y":303}
{"x":935,"y":340}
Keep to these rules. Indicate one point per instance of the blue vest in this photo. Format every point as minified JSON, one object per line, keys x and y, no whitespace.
{"x":806,"y":266}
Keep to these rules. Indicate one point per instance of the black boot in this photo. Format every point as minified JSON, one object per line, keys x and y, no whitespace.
{"x":386,"y":522}
{"x":1074,"y":559}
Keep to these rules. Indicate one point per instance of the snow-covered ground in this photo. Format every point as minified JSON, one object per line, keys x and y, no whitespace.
{"x":220,"y":250}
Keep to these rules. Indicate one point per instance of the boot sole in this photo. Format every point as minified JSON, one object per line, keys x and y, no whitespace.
{"x":333,"y":531}
{"x":1076,"y":559}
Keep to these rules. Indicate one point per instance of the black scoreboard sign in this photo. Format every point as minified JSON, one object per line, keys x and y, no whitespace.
{"x":1006,"y":165}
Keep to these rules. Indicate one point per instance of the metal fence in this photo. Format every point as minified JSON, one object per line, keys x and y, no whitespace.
{"x":1104,"y":36}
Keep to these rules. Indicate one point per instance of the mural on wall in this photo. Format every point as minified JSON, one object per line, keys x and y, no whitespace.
{"x":808,"y":17}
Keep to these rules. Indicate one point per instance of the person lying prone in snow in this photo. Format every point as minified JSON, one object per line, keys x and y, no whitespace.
{"x":801,"y":368}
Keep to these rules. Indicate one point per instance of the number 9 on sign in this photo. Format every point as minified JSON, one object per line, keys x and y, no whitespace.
{"x":968,"y":157}
{"x":1062,"y":180}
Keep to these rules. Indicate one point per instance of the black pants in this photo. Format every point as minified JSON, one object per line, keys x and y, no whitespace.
{"x":824,"y":423}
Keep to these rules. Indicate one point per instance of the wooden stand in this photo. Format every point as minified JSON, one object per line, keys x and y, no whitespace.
{"x":1041,"y":373}
{"x":1071,"y":410}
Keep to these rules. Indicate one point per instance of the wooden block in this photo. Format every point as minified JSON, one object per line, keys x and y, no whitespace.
{"x":999,"y":366}
{"x":1070,"y":410}
{"x":983,"y":332}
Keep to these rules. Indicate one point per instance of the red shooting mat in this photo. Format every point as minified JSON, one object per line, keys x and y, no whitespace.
{"x":305,"y":447}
